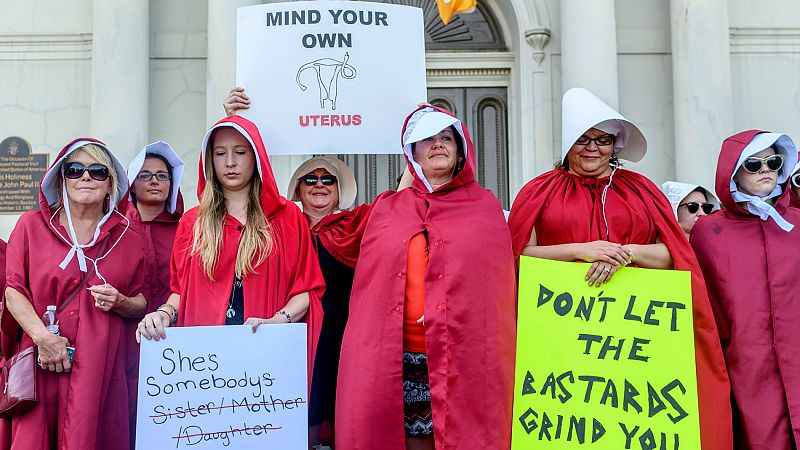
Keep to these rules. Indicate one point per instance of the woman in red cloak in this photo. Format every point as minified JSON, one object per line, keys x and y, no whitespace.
{"x":156,"y":206}
{"x":83,"y":403}
{"x":245,"y":251}
{"x":589,"y":209}
{"x":433,"y":299}
{"x":746,"y":252}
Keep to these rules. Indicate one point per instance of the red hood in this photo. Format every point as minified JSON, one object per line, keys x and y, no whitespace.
{"x":272,"y":202}
{"x":465,"y":176}
{"x":47,"y":188}
{"x":732,"y":149}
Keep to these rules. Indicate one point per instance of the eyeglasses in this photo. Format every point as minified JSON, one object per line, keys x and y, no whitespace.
{"x":147,"y":176}
{"x":75,"y":170}
{"x":693,"y":207}
{"x":311,"y":180}
{"x":753,"y":164}
{"x":606,"y":139}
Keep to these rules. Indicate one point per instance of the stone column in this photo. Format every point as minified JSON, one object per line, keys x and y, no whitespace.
{"x":701,"y":85}
{"x":589,"y":48}
{"x":221,"y":62}
{"x":120,"y":92}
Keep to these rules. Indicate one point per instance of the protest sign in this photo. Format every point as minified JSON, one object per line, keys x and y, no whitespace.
{"x":330,"y":77}
{"x":609,"y":367}
{"x":224,"y":388}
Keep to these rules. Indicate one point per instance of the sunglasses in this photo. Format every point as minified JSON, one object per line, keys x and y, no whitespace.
{"x":753,"y":164}
{"x":693,"y":207}
{"x":75,"y":170}
{"x":311,"y":180}
{"x":147,"y":176}
{"x":796,"y":180}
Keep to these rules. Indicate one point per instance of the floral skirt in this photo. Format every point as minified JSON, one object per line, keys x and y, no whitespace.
{"x":418,"y":418}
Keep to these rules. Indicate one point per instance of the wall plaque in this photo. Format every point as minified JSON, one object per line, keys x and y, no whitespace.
{"x":20,"y":174}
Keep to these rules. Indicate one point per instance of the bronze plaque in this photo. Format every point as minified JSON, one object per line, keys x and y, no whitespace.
{"x":20,"y":174}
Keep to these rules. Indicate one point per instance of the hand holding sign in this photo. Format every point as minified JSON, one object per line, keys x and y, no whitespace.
{"x":314,"y":71}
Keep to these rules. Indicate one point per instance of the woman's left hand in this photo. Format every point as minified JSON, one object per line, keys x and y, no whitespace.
{"x":256,"y":321}
{"x":600,"y":272}
{"x":106,"y":297}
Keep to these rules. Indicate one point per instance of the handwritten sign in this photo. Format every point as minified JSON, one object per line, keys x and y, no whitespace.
{"x":609,"y":367}
{"x":331,"y":77}
{"x":224,"y":388}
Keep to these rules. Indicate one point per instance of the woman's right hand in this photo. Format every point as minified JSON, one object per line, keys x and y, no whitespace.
{"x":236,"y":100}
{"x":604,"y":251}
{"x":53,"y":353}
{"x":153,"y":326}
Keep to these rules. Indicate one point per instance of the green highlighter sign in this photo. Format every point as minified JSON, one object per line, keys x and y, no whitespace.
{"x":609,"y":367}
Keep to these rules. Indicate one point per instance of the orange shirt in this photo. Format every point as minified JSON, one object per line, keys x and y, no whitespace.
{"x":414,"y":307}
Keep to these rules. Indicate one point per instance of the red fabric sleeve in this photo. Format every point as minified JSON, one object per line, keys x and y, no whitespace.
{"x":16,"y":278}
{"x":341,"y":233}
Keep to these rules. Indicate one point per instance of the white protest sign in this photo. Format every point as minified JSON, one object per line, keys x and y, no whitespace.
{"x":224,"y":388}
{"x":330,"y":77}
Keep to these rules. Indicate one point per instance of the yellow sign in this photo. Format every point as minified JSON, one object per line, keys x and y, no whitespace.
{"x":609,"y":367}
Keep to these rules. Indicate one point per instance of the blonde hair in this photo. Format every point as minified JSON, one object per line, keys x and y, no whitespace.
{"x":102,"y":156}
{"x":255,"y":244}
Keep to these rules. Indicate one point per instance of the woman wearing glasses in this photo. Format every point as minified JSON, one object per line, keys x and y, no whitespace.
{"x":79,"y":253}
{"x":591,"y":209}
{"x":157,"y":204}
{"x":746,"y":253}
{"x":326,"y":187}
{"x":689,"y":203}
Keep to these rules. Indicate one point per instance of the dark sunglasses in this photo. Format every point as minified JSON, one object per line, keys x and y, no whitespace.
{"x":753,"y":164}
{"x":693,"y":207}
{"x":75,"y":170}
{"x":796,"y":180}
{"x":311,"y":180}
{"x":147,"y":176}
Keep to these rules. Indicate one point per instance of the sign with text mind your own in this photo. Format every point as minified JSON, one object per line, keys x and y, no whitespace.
{"x":224,"y":387}
{"x":330,"y":77}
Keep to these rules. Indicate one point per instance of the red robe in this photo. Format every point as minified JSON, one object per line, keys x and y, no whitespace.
{"x":470,"y":310}
{"x":291,"y":268}
{"x":88,"y":407}
{"x":566,"y":208}
{"x":753,"y":286}
{"x":158,"y":235}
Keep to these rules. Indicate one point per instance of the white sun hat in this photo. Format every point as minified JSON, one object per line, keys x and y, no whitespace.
{"x":336,"y":167}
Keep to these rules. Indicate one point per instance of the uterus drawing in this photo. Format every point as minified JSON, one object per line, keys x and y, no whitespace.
{"x":327,"y":71}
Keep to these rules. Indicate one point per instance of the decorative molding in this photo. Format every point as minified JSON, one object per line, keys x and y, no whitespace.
{"x":538,"y":38}
{"x":469,"y":77}
{"x":45,"y":47}
{"x":765,"y":40}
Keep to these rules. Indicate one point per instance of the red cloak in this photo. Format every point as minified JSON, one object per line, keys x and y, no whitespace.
{"x":290,"y":269}
{"x":88,"y":407}
{"x":159,"y":233}
{"x":566,"y":208}
{"x":753,"y":285}
{"x":470,"y":311}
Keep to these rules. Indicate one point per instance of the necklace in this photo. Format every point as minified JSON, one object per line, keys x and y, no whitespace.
{"x":231,"y":313}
